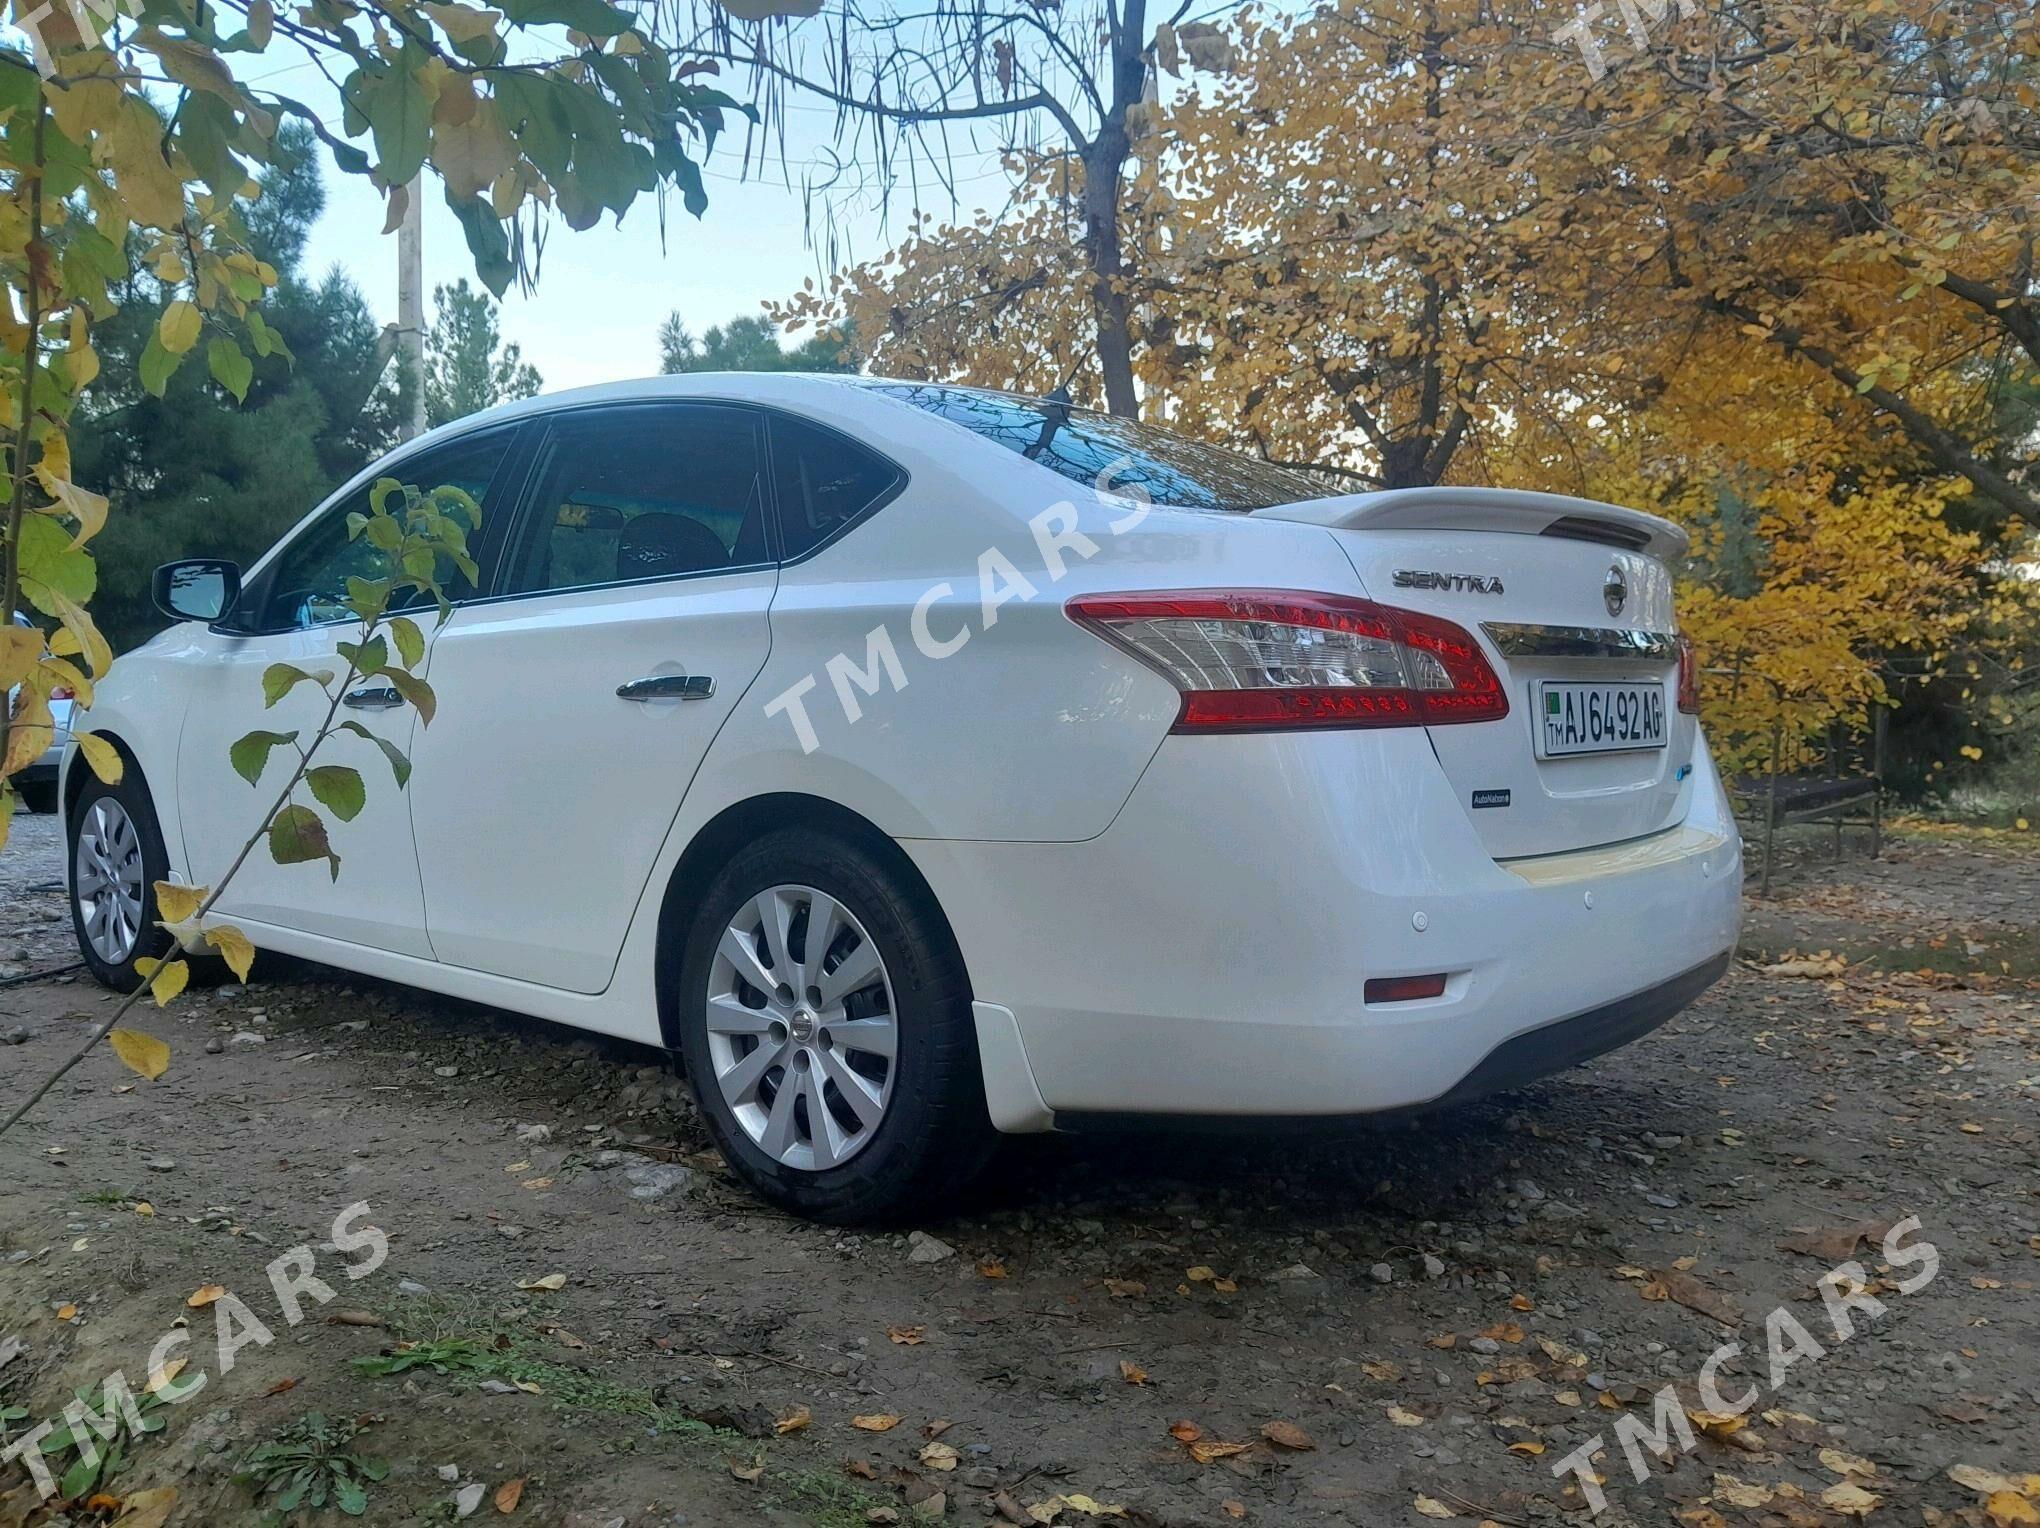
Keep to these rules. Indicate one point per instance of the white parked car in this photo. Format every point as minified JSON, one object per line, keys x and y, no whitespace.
{"x":36,"y":783}
{"x":920,"y":762}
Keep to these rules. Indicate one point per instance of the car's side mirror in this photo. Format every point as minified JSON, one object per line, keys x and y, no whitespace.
{"x":196,"y":589}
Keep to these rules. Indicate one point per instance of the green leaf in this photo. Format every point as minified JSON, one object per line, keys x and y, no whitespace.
{"x":338,"y":789}
{"x":279,"y":679}
{"x":416,"y":691}
{"x":370,"y":657}
{"x":297,"y":834}
{"x":349,"y":1497}
{"x":399,"y":117}
{"x":410,"y":640}
{"x":249,"y":754}
{"x":486,"y":241}
{"x":399,"y":765}
{"x":49,"y":562}
{"x":230,"y":368}
{"x":79,"y":1477}
{"x":158,"y":366}
{"x":595,"y":17}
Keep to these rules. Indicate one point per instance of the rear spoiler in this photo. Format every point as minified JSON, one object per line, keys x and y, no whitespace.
{"x":1490,"y":509}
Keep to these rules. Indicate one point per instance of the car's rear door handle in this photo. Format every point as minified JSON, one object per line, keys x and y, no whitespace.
{"x":375,"y":698}
{"x":668,"y":687}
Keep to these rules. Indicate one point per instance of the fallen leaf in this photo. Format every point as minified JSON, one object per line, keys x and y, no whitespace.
{"x":1527,"y":1447}
{"x":877,"y":1421}
{"x":750,"y":1474}
{"x":1829,"y":965}
{"x":538,"y":1183}
{"x":938,"y":1456}
{"x":1381,"y":1369}
{"x":147,"y":1509}
{"x":936,"y":1428}
{"x":1132,"y":1372}
{"x":145,"y":1209}
{"x":1287,"y":1435}
{"x":1125,"y":1289}
{"x":205,"y":1296}
{"x":1522,"y":1302}
{"x":863,"y":1469}
{"x":1445,"y":1340}
{"x":792,"y":1420}
{"x":1233,"y":1509}
{"x":1847,"y":1464}
{"x":161,"y":1378}
{"x":1850,"y":1499}
{"x":1740,"y":1493}
{"x":2010,"y":1509}
{"x":551,"y":1282}
{"x":1506,"y":1331}
{"x":1694,"y":1295}
{"x":1209,"y":1452}
{"x":280,"y":1387}
{"x":907,"y":1336}
{"x":66,"y":1312}
{"x":991,"y":1268}
{"x":1835,"y":1244}
{"x":1718,"y":1424}
{"x":1199,"y":1275}
{"x":509,"y":1494}
{"x":1403,"y":1417}
{"x":354,"y":1318}
{"x":1430,"y":1506}
{"x":1185,"y":1431}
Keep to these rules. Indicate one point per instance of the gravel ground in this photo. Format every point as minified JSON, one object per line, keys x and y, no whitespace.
{"x":1408,"y":1326}
{"x":35,"y":927}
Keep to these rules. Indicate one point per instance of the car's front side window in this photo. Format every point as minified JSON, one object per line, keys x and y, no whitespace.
{"x":643,"y":491}
{"x":307,"y":584}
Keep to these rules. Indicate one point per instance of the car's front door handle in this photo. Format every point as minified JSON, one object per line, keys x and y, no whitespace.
{"x":375,"y":698}
{"x":668,"y":687}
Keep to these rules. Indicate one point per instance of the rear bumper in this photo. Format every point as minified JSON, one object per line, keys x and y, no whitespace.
{"x":1206,"y":955}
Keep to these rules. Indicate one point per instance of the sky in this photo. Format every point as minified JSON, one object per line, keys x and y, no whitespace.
{"x":601,"y":294}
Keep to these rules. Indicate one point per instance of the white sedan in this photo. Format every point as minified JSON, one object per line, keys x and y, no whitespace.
{"x":919,"y":762}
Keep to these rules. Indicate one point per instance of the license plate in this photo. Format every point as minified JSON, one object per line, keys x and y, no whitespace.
{"x":1574,"y":717}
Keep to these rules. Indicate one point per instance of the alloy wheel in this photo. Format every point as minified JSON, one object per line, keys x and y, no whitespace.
{"x":803,"y":1036}
{"x":106,"y":875}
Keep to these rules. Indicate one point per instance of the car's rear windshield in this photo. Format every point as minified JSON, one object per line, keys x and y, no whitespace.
{"x":1113,"y":455}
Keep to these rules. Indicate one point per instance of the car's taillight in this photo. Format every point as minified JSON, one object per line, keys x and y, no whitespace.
{"x":1689,"y":678}
{"x":1258,"y":660}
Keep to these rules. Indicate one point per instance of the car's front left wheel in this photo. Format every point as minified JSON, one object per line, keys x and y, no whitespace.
{"x":117,"y":857}
{"x":826,"y":1028}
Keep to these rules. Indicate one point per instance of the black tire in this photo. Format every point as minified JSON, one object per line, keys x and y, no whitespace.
{"x":935,"y":1135}
{"x":133,"y":798}
{"x":38,"y":797}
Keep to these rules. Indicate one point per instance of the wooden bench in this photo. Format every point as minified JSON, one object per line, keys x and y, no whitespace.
{"x":1787,"y":792}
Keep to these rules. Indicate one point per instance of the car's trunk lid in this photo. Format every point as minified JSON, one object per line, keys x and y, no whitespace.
{"x":1572,"y":602}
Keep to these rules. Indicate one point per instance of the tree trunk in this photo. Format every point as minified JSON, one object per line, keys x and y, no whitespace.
{"x":1102,"y":166}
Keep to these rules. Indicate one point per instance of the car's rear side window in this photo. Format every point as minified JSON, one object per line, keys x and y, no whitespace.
{"x":642,"y":491}
{"x":824,"y":482}
{"x":1110,"y":454}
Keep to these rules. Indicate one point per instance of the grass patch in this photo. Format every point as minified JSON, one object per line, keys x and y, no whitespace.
{"x":311,"y":1462}
{"x":462,"y":1336}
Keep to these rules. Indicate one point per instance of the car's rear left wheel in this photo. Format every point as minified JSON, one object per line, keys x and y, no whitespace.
{"x":826,"y":1028}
